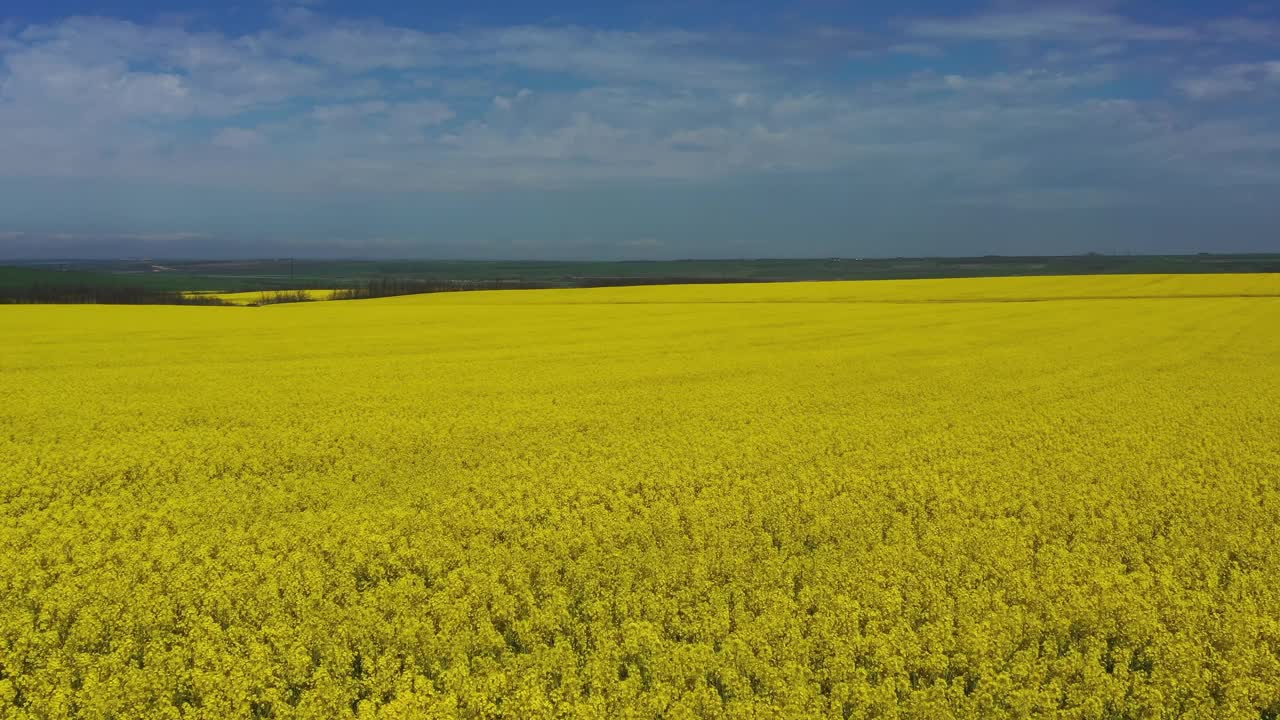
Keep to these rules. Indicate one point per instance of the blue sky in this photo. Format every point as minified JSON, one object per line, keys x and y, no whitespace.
{"x":637,"y":129}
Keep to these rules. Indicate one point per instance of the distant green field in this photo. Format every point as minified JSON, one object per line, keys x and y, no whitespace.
{"x":273,"y":274}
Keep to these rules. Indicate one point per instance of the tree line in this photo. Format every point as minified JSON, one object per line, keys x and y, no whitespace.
{"x":99,"y":294}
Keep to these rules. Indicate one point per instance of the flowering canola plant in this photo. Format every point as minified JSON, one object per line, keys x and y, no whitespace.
{"x":252,"y":297}
{"x":1011,"y":498}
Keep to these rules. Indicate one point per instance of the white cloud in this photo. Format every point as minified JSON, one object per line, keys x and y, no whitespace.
{"x":420,"y":113}
{"x":1227,"y":80}
{"x":673,"y":58}
{"x":1030,"y":80}
{"x":503,"y":102}
{"x":1057,"y":23}
{"x":237,"y":138}
{"x":348,"y":111}
{"x":923,"y":50}
{"x":1245,"y":29}
{"x":104,"y":90}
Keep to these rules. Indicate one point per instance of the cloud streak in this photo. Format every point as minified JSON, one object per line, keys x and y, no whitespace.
{"x":1234,"y":79}
{"x":1073,"y":24}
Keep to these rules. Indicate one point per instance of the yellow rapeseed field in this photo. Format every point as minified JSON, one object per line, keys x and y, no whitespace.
{"x":252,"y":297}
{"x":1012,"y":498}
